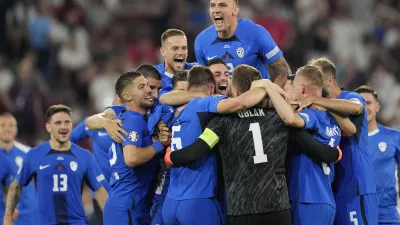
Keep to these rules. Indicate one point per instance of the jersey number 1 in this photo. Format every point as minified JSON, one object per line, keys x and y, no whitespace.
{"x":260,"y":157}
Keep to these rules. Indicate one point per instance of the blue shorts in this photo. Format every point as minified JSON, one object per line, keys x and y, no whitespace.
{"x":315,"y":214}
{"x":114,"y":215}
{"x":361,"y":210}
{"x":192,"y":211}
{"x":156,"y":210}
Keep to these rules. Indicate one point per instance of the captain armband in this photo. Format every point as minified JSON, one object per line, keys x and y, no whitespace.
{"x":209,"y":137}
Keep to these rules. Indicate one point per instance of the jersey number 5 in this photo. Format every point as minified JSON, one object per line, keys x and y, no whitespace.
{"x":260,"y":157}
{"x":176,"y":142}
{"x":60,"y":182}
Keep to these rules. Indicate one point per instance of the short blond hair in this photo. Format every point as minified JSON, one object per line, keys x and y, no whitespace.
{"x":326,"y":65}
{"x":312,"y":74}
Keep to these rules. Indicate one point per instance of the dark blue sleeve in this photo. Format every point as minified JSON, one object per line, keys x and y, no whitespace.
{"x":93,"y":173}
{"x":309,"y":118}
{"x":210,"y":103}
{"x":135,"y":128}
{"x":80,"y":132}
{"x":267,"y":46}
{"x":397,"y":147}
{"x":25,"y":172}
{"x":198,"y":50}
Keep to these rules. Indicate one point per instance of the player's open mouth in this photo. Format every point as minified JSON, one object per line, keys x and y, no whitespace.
{"x":218,"y":20}
{"x":179,"y":61}
{"x":63,"y":132}
{"x":222,"y":88}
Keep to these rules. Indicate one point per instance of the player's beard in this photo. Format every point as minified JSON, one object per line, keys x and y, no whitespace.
{"x":146,"y":104}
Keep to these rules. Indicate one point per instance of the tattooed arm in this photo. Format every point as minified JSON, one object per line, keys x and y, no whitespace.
{"x":281,"y":71}
{"x":14,"y":193}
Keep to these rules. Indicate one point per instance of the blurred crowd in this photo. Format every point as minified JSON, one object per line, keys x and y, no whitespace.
{"x":72,"y":51}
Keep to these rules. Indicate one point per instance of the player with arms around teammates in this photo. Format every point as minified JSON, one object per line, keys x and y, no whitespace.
{"x":384,"y":150}
{"x":58,"y":168}
{"x":310,"y":182}
{"x":239,"y":41}
{"x":191,"y":197}
{"x":132,"y":162}
{"x":253,"y":161}
{"x":354,"y":186}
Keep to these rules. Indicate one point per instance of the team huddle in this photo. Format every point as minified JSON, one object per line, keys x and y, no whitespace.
{"x":213,"y":142}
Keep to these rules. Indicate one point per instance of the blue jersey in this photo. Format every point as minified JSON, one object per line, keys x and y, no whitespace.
{"x":166,"y":81}
{"x":6,"y":177}
{"x":198,"y":179}
{"x":26,"y":206}
{"x":384,"y":149}
{"x":130,"y":186}
{"x":310,"y":182}
{"x":117,"y":108}
{"x":59,"y":176}
{"x":101,"y":143}
{"x":251,"y":44}
{"x":353,"y":172}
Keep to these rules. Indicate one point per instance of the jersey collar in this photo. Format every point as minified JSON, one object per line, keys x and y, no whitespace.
{"x":373,"y":132}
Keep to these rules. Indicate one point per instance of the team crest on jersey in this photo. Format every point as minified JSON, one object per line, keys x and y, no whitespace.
{"x":73,"y":165}
{"x":240,"y":52}
{"x":133,"y":136}
{"x":382,"y":146}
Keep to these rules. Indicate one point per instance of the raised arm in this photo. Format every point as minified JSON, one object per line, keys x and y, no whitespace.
{"x":106,"y":120}
{"x":136,"y":156}
{"x":345,"y":124}
{"x":271,"y":53}
{"x":339,"y":105}
{"x":244,"y":101}
{"x":284,"y":109}
{"x":281,"y":70}
{"x":178,"y":98}
{"x":13,"y":196}
{"x":207,"y":140}
{"x":313,"y":148}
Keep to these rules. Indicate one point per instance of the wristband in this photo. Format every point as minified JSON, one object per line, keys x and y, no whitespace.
{"x":209,"y":137}
{"x":340,"y":154}
{"x":158,"y":147}
{"x":167,"y":157}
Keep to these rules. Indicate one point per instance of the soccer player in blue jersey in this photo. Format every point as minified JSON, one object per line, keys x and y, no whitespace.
{"x":384,"y":150}
{"x":191,"y":198}
{"x":239,"y":41}
{"x":132,"y":162}
{"x":106,"y":120}
{"x":6,"y":177}
{"x":17,"y":153}
{"x":101,"y":142}
{"x":174,"y":50}
{"x":59,"y":168}
{"x":354,"y":185}
{"x":310,"y":192}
